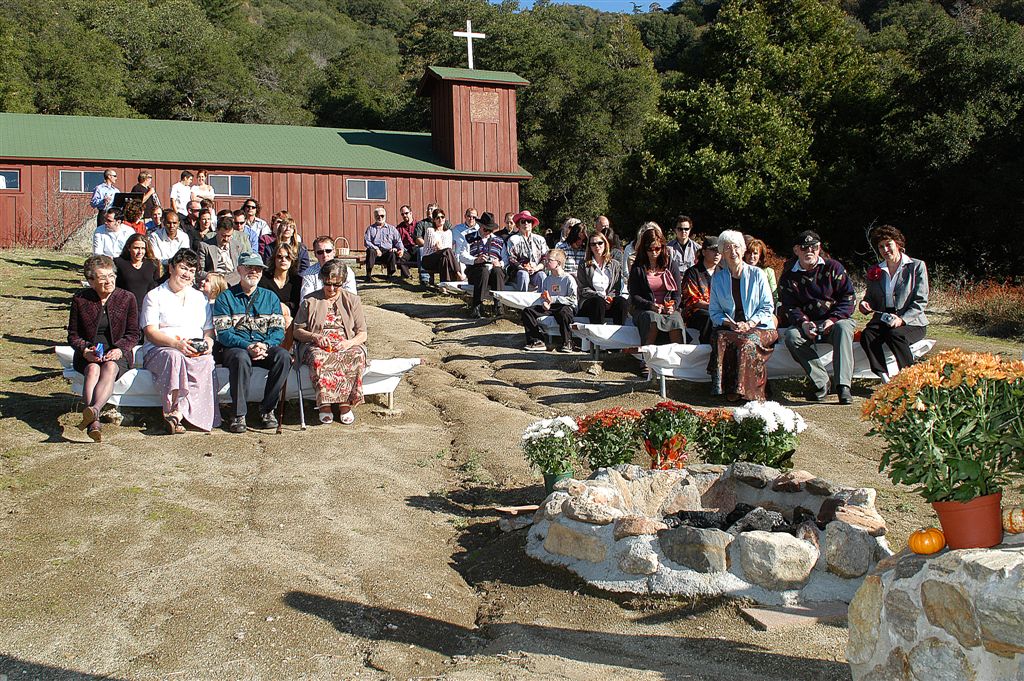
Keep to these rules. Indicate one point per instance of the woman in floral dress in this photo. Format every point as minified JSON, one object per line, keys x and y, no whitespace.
{"x":330,"y":323}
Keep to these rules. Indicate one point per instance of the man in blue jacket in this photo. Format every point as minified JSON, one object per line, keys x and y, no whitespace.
{"x":250,"y":329}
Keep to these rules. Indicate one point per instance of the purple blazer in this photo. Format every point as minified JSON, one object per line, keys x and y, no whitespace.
{"x":122,"y":312}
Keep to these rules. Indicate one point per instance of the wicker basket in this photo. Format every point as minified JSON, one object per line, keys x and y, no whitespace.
{"x":342,"y":251}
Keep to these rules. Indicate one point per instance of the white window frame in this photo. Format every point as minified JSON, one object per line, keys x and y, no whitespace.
{"x":81,"y":175}
{"x":5,"y":187}
{"x":366,"y":190}
{"x":231,"y":178}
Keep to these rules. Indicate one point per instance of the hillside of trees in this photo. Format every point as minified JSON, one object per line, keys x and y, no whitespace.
{"x":770,"y":116}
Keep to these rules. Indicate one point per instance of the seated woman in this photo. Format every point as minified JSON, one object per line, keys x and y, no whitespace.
{"x":138,"y":270}
{"x":697,"y":289}
{"x":654,"y":292}
{"x":179,"y":344}
{"x":743,"y":315}
{"x":330,"y":321}
{"x":438,"y":250}
{"x":282,"y":277}
{"x":601,"y":283}
{"x":103,"y":329}
{"x":755,"y":255}
{"x":896,"y":297}
{"x":524,"y":254}
{"x":133,"y":216}
{"x":285,"y":231}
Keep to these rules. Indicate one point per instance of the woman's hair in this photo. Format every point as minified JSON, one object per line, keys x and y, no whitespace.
{"x":126,"y":252}
{"x":218,"y":284}
{"x":433,"y":215}
{"x":575,"y":231}
{"x":202,"y":172}
{"x":567,"y":227}
{"x":646,"y":227}
{"x":133,"y":210}
{"x":284,"y":222}
{"x":96,"y":262}
{"x":607,"y":247}
{"x":734,"y":238}
{"x":284,"y":247}
{"x":884,"y":233}
{"x":647,"y":239}
{"x":762,"y":250}
{"x":184,"y":256}
{"x":333,"y":267}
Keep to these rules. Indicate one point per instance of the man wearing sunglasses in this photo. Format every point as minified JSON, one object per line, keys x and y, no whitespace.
{"x":255,"y":226}
{"x":683,"y":244}
{"x":817,"y":297}
{"x":383,"y":243}
{"x":323,"y":249}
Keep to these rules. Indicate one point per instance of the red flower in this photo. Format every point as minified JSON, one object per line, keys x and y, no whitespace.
{"x":874,"y":273}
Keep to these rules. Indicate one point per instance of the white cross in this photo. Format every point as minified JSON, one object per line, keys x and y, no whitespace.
{"x":469,"y":36}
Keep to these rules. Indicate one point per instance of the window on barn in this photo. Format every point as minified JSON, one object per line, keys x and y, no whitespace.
{"x":80,"y":181}
{"x":231,"y":185}
{"x":366,"y":190}
{"x":10,"y":179}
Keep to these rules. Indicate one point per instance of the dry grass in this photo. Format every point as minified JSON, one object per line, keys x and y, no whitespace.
{"x":990,"y":309}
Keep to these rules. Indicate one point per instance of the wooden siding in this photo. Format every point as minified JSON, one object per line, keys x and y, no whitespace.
{"x":474,"y":146}
{"x":38,"y":214}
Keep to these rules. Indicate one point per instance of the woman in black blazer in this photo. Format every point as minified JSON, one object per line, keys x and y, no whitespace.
{"x":656,"y":305}
{"x":896,"y":297}
{"x":601,"y":296}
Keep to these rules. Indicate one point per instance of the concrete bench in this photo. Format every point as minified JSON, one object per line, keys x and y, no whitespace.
{"x":138,"y":389}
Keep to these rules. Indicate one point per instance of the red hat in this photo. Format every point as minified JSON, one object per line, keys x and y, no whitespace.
{"x":525,"y":215}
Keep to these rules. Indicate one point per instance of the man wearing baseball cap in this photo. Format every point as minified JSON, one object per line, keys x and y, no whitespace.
{"x":250,"y":329}
{"x":817,"y":298}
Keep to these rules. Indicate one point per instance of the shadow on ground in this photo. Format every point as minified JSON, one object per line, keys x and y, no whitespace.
{"x":14,"y":668}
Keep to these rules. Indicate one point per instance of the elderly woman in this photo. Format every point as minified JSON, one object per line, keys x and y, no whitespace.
{"x":285,"y":232}
{"x":330,"y":321}
{"x":438,"y":250}
{"x":896,"y":297}
{"x":654,"y":291}
{"x":525,"y":252}
{"x":103,"y":328}
{"x":179,"y":344}
{"x":138,"y":270}
{"x":743,"y":316}
{"x":601,"y":283}
{"x":755,"y":255}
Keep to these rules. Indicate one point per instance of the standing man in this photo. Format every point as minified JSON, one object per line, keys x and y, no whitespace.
{"x":323,"y":249}
{"x":818,"y":299}
{"x":485,"y":268}
{"x":686,"y":247}
{"x":250,"y":329}
{"x":383,"y":243}
{"x":150,"y":199}
{"x":103,"y":196}
{"x":419,"y":235}
{"x":255,"y":226}
{"x":181,"y":194}
{"x":524,"y":253}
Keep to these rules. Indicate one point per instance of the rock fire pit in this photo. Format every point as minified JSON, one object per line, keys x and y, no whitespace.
{"x":744,"y":530}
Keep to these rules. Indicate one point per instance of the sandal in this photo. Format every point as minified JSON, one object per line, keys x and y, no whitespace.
{"x":174,"y":424}
{"x":348,"y":418}
{"x":94,"y":431}
{"x":326,"y":418}
{"x":89,"y":416}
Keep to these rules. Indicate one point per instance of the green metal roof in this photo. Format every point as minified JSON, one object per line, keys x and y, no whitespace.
{"x":449,"y":73}
{"x":38,"y":136}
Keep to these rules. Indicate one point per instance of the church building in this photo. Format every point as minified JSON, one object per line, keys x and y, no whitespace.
{"x":329,"y":179}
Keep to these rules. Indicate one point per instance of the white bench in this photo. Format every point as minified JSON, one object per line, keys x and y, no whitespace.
{"x":136,"y":388}
{"x":690,"y":362}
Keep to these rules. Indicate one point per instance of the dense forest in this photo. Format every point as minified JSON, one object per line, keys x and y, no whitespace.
{"x":770,"y":116}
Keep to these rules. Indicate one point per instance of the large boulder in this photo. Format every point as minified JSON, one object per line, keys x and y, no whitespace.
{"x":774,"y":560}
{"x":703,"y":550}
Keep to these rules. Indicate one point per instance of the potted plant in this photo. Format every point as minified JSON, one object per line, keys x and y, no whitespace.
{"x":759,"y":432}
{"x":953,"y":428}
{"x":609,"y":437}
{"x":666,"y":429}
{"x":551,"y":446}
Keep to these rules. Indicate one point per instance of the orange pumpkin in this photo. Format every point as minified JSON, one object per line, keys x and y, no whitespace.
{"x":1013,"y":520}
{"x":927,"y":540}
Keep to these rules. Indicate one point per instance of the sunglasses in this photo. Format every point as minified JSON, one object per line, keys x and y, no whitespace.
{"x":324,"y":251}
{"x":812,"y":247}
{"x":597,"y":243}
{"x":379,"y":217}
{"x":655,"y":249}
{"x":526,"y":222}
{"x":333,"y":284}
{"x":241,"y":224}
{"x":249,"y":207}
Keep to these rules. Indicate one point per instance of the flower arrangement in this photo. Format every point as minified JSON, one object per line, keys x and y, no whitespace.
{"x":551,"y":445}
{"x":758,"y":432}
{"x":609,"y":437}
{"x":952,"y":425}
{"x":667,"y":428}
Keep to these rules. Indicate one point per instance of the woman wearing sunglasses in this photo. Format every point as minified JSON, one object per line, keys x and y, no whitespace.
{"x":654,"y":292}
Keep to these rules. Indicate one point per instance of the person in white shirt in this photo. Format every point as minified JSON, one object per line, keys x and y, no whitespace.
{"x":110,"y":237}
{"x":181,"y":194}
{"x":168,"y":240}
{"x":201,"y":189}
{"x":323,"y":249}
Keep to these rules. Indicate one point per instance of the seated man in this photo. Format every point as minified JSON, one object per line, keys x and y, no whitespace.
{"x":250,"y":327}
{"x":110,"y":237}
{"x":558,"y":299}
{"x":818,"y":300}
{"x":323,"y":249}
{"x":482,"y":259}
{"x":384,"y":243}
{"x":169,"y":239}
{"x":686,"y":247}
{"x":221,"y":252}
{"x":524,"y":254}
{"x":406,"y":231}
{"x":696,"y":289}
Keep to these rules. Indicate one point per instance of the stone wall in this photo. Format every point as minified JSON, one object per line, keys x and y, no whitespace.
{"x":609,"y":530}
{"x":955,"y":615}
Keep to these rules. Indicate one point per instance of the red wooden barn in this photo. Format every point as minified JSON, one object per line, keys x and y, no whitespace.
{"x":329,"y":179}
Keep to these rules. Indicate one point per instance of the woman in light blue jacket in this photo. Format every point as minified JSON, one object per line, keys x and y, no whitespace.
{"x":743,"y":315}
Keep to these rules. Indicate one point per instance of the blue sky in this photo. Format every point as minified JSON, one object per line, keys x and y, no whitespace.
{"x":605,"y":5}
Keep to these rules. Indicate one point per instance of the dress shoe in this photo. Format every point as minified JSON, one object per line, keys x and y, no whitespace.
{"x":476,"y":312}
{"x":815,"y":395}
{"x":238,"y":425}
{"x":844,"y":395}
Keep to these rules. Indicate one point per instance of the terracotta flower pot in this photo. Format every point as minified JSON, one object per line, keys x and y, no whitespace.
{"x":974,"y":524}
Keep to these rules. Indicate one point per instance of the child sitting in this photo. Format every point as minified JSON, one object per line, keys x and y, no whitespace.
{"x":558,"y":299}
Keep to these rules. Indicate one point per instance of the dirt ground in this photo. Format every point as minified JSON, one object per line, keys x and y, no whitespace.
{"x":369,"y":551}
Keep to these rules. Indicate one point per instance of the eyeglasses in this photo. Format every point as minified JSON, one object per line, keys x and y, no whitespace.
{"x":682,"y":229}
{"x":812,"y":247}
{"x":597,"y":243}
{"x":323,"y":251}
{"x":654,"y":249}
{"x":240,"y":223}
{"x":334,"y":284}
{"x":249,"y":207}
{"x":104,"y":277}
{"x":526,"y":222}
{"x":405,"y":212}
{"x":379,"y":217}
